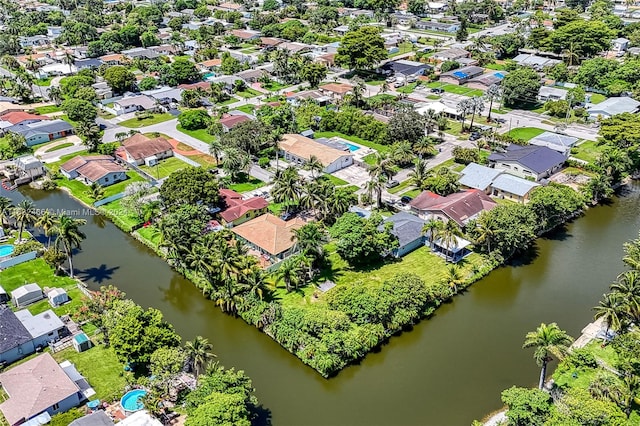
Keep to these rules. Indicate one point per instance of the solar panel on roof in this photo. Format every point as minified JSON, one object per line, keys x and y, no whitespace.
{"x":460,"y":74}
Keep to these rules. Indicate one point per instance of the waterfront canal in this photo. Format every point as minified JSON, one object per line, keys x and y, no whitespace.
{"x":448,"y":370}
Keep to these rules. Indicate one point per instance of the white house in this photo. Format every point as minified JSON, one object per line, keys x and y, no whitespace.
{"x":620,"y":44}
{"x":613,"y":106}
{"x":28,"y":293}
{"x":133,"y":104}
{"x":555,"y":141}
{"x":528,"y":162}
{"x":44,"y":328}
{"x":299,"y":149}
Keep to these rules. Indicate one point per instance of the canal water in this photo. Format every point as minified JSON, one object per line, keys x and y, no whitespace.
{"x":448,"y":370}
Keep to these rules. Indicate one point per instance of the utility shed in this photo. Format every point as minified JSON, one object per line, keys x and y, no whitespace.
{"x":27,"y":294}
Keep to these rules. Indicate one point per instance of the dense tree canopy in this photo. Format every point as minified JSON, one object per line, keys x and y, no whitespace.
{"x":520,"y":87}
{"x":359,"y":241}
{"x":362,"y":48}
{"x":119,"y":78}
{"x":191,"y":186}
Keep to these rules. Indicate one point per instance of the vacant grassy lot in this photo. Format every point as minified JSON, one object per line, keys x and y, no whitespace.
{"x":100,"y":366}
{"x":525,"y":133}
{"x":248,"y":93}
{"x":47,"y":109}
{"x":79,"y":189}
{"x":201,"y":134}
{"x":164,"y":168}
{"x":588,"y":151}
{"x":273,"y":86}
{"x":143,"y":122}
{"x":453,"y":88}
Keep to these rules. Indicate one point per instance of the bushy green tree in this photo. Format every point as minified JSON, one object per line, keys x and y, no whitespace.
{"x":119,"y":78}
{"x":362,"y":48}
{"x":521,"y":87}
{"x":80,"y":110}
{"x":359,"y":241}
{"x":527,"y":407}
{"x":194,"y":119}
{"x":189,"y":186}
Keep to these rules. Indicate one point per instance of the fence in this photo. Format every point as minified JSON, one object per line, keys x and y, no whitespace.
{"x":109,"y":199}
{"x":153,"y":181}
{"x":186,"y":159}
{"x":16,"y":260}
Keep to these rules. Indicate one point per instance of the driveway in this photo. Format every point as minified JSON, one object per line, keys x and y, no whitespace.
{"x":50,"y":157}
{"x":354,"y":174}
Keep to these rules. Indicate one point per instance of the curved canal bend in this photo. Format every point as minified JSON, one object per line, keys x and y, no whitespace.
{"x":447,"y":371}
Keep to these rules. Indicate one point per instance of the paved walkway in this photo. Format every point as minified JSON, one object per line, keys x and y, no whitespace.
{"x":174,"y":143}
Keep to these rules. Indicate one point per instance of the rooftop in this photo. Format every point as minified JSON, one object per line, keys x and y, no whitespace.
{"x":269,"y":232}
{"x":478,"y":177}
{"x":513,"y":184}
{"x":236,"y":206}
{"x":306,"y":148}
{"x":12,"y":332}
{"x":406,"y":226}
{"x":140,"y":147}
{"x":615,"y":105}
{"x":537,"y":158}
{"x":41,"y":324}
{"x":460,"y":207}
{"x":33,"y":387}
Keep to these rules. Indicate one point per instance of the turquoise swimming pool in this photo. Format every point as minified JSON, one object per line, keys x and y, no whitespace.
{"x":6,"y":250}
{"x":132,"y":400}
{"x":351,"y":146}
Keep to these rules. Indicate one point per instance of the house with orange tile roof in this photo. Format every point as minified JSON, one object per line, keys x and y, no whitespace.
{"x":210,"y":64}
{"x":299,"y":149}
{"x":228,"y":122}
{"x":269,"y":236}
{"x":238,"y":210}
{"x":115,"y":59}
{"x":336,"y":90}
{"x":19,"y":117}
{"x":139,"y":149}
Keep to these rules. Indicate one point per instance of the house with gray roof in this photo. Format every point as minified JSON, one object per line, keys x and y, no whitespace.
{"x":613,"y":106}
{"x":512,"y":187}
{"x":534,"y":61}
{"x":97,"y":418}
{"x":461,"y":75}
{"x":44,"y":327}
{"x":134,"y":103}
{"x":555,"y":141}
{"x":475,"y":176}
{"x":408,"y":229}
{"x":15,"y":339}
{"x":547,"y":93}
{"x":529,"y":162}
{"x":165,"y":95}
{"x":140,"y":52}
{"x":42,"y":131}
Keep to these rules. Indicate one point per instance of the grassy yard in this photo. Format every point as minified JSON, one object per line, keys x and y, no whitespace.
{"x":47,"y":109}
{"x":248,"y":109}
{"x":409,"y":88}
{"x":413,"y":193}
{"x":100,"y":366}
{"x":44,"y":82}
{"x":588,"y":151}
{"x":403,"y":185}
{"x":248,"y":93}
{"x":596,"y":98}
{"x":496,"y":66}
{"x":61,"y":146}
{"x":454,"y":127}
{"x":201,"y":134}
{"x":335,"y":180}
{"x":204,"y":160}
{"x":153,"y":119}
{"x":378,"y":147}
{"x":165,"y":167}
{"x":34,"y":271}
{"x":274,"y":86}
{"x":79,"y":189}
{"x":453,"y":88}
{"x":246,"y":184}
{"x":233,"y":100}
{"x":583,"y":376}
{"x":121,"y":216}
{"x":525,"y":133}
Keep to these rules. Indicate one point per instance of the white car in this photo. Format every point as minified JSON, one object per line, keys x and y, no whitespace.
{"x":398,"y":83}
{"x":390,"y":79}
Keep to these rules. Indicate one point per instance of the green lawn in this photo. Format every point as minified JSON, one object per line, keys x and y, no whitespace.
{"x":335,"y":180}
{"x":148,"y":234}
{"x":165,"y":167}
{"x":230,"y":101}
{"x":248,"y":93}
{"x":34,"y":271}
{"x":61,"y":146}
{"x":153,"y":119}
{"x":596,"y":98}
{"x":413,"y":193}
{"x":496,"y":66}
{"x":588,"y":151}
{"x":246,"y":184}
{"x":47,"y":109}
{"x":100,"y":366}
{"x":378,"y":147}
{"x":403,"y":48}
{"x":274,"y":86}
{"x":204,"y":160}
{"x":454,"y":127}
{"x":525,"y":133}
{"x":68,"y":120}
{"x":44,"y":82}
{"x":409,"y":88}
{"x":247,"y":108}
{"x":79,"y":189}
{"x":453,"y":88}
{"x":403,"y":185}
{"x":122,"y":217}
{"x":201,"y":134}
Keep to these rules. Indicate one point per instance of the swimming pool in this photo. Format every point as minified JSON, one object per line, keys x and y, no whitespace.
{"x":131,"y":401}
{"x":351,"y":146}
{"x":6,"y":250}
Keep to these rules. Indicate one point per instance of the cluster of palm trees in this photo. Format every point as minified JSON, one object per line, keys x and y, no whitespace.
{"x":620,"y":308}
{"x":18,"y":86}
{"x":473,"y":106}
{"x":66,"y":229}
{"x":300,"y":269}
{"x":442,"y":182}
{"x":317,"y":194}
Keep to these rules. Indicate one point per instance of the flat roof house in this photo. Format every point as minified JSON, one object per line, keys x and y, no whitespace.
{"x":405,"y":67}
{"x":461,"y":75}
{"x":37,"y":386}
{"x":450,"y":54}
{"x":484,"y":81}
{"x":238,"y":210}
{"x":460,"y":207}
{"x":134,"y":103}
{"x":270,"y":236}
{"x":547,"y":93}
{"x":139,"y":149}
{"x":20,"y":117}
{"x":44,"y":327}
{"x":446,"y":27}
{"x":555,"y":141}
{"x":299,"y":149}
{"x":100,"y":169}
{"x":140,"y":52}
{"x":408,"y":229}
{"x":613,"y":106}
{"x":42,"y":131}
{"x":476,"y":176}
{"x":26,"y":294}
{"x":532,"y":162}
{"x":534,"y":61}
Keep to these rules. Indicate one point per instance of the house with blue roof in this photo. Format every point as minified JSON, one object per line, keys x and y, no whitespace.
{"x":529,"y":162}
{"x":475,"y":176}
{"x":461,"y":75}
{"x":496,"y":182}
{"x":555,"y":141}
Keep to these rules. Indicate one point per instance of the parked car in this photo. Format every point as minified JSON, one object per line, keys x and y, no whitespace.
{"x":411,"y":79}
{"x":398,"y":83}
{"x":390,"y":79}
{"x":286,"y":215}
{"x":475,"y":136}
{"x":392,"y":183}
{"x":499,"y":120}
{"x":437,"y":90}
{"x":406,"y":199}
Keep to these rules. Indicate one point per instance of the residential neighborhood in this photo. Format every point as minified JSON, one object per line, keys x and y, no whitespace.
{"x":330,"y":173}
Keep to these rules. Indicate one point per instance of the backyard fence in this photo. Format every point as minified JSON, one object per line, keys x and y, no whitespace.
{"x":109,"y":199}
{"x":186,"y":159}
{"x":16,"y":260}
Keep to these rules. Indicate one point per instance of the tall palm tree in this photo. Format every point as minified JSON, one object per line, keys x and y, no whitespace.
{"x":339,"y":202}
{"x":476,"y":106}
{"x":6,"y":206}
{"x":68,"y":59}
{"x":286,"y":186}
{"x":199,"y":354}
{"x":572,"y":54}
{"x":548,"y":341}
{"x":216,"y":148}
{"x":424,"y":147}
{"x":95,"y":191}
{"x":289,"y":273}
{"x":55,"y":94}
{"x":310,"y":240}
{"x":69,"y":236}
{"x":449,"y":236}
{"x":485,"y":230}
{"x":612,"y":309}
{"x":420,"y":173}
{"x":314,"y":166}
{"x":454,"y":278}
{"x":375,"y":185}
{"x":432,"y":229}
{"x":463,"y":108}
{"x":24,"y":214}
{"x":91,"y":134}
{"x":493,"y":92}
{"x":430,"y":118}
{"x":47,"y":222}
{"x":628,"y":287}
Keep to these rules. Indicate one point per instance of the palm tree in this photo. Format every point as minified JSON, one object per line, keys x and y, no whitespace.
{"x":384,"y":88}
{"x":68,"y":59}
{"x":339,"y":202}
{"x":91,"y":133}
{"x":234,"y":162}
{"x":572,"y":53}
{"x":47,"y":222}
{"x":358,"y":90}
{"x":477,"y":106}
{"x":402,"y":152}
{"x":6,"y":207}
{"x":432,"y":229}
{"x":485,"y":230}
{"x":454,"y":278}
{"x":216,"y":148}
{"x":420,"y":173}
{"x":55,"y":94}
{"x":310,"y":240}
{"x":199,"y":354}
{"x":24,"y":214}
{"x":95,"y":191}
{"x":548,"y":340}
{"x":286,"y":186}
{"x":289,"y":273}
{"x":463,"y":108}
{"x":69,"y":236}
{"x":376,"y":185}
{"x":612,"y":309}
{"x":314,"y":166}
{"x":493,"y":92}
{"x":449,"y":236}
